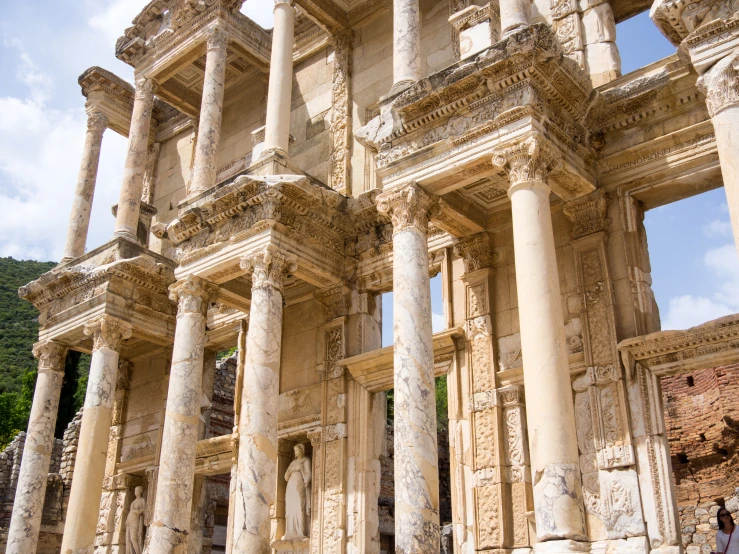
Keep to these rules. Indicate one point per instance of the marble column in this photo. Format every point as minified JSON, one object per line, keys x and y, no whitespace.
{"x":514,"y":14}
{"x":550,"y":412}
{"x":279,"y":95}
{"x":406,"y":43}
{"x":89,"y":471}
{"x":79,"y":220}
{"x":205,"y":166}
{"x":256,"y":479}
{"x":416,"y":451}
{"x":171,"y":521}
{"x":720,"y":84}
{"x":25,"y":521}
{"x":129,"y":202}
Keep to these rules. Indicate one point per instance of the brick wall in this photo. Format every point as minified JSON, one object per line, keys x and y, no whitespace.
{"x":702,"y":419}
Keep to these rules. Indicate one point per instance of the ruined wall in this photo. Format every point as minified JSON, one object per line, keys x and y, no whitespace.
{"x":702,"y":418}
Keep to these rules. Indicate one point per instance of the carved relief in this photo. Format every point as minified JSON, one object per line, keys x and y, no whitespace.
{"x":720,"y":84}
{"x":341,"y":113}
{"x":488,"y":516}
{"x":529,"y":160}
{"x":408,"y":206}
{"x":509,"y":352}
{"x":475,"y":252}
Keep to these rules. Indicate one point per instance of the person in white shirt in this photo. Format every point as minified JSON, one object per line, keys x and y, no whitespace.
{"x":727,"y":539}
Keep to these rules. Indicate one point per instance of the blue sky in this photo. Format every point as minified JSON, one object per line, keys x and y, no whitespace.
{"x":45,"y":45}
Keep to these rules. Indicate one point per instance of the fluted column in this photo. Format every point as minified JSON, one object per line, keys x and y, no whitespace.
{"x":89,"y":471}
{"x":79,"y":220}
{"x":550,"y":412}
{"x":171,"y":522}
{"x":514,"y":14}
{"x":279,"y":95}
{"x":720,"y":84}
{"x":129,"y":203}
{"x":416,"y":450}
{"x":25,"y":521}
{"x":205,"y":166}
{"x":406,"y":43}
{"x":257,"y":459}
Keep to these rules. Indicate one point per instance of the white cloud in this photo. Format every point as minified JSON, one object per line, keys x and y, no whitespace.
{"x":260,"y":12}
{"x":115,"y":18}
{"x":438,"y":323}
{"x":686,"y":311}
{"x":717,"y":228}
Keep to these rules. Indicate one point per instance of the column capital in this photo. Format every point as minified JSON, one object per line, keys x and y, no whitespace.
{"x":269,"y":267}
{"x":588,"y":214}
{"x":217,"y":37}
{"x":475,"y":252}
{"x":529,"y":160}
{"x":335,"y":300}
{"x":279,"y":3}
{"x":407,"y":206}
{"x":96,"y":122}
{"x":108,"y":332}
{"x":51,"y":355}
{"x":193,"y":294}
{"x":720,"y":84}
{"x":145,"y":88}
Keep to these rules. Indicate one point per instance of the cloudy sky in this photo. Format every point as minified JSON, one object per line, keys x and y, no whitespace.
{"x":45,"y":45}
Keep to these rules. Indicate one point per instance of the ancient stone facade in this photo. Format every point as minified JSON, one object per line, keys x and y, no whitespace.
{"x":278,"y":181}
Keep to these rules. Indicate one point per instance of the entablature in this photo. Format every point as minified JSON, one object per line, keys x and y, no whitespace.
{"x":119,"y":279}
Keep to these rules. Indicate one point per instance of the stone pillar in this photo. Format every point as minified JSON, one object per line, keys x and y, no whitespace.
{"x":550,"y":414}
{"x":25,"y":522}
{"x":720,"y":84}
{"x":87,"y":483}
{"x":416,"y":452}
{"x":514,"y":14}
{"x":171,"y":521}
{"x":279,"y":95}
{"x":79,"y":219}
{"x":406,"y":43}
{"x":129,"y":203}
{"x":205,"y":166}
{"x":256,"y":480}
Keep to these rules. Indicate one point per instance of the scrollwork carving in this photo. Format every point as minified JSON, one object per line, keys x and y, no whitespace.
{"x":475,"y":252}
{"x":408,"y":206}
{"x":50,"y":355}
{"x":193,"y":295}
{"x":531,"y":159}
{"x":269,"y":268}
{"x":720,"y":84}
{"x":108,"y":332}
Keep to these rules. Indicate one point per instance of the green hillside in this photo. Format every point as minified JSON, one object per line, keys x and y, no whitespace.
{"x":18,"y":332}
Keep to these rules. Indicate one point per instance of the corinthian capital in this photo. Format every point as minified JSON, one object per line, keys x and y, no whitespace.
{"x":269,"y":268}
{"x":531,"y":159}
{"x":193,"y":295}
{"x":720,"y":84}
{"x":50,"y":355}
{"x":107,"y":332}
{"x":408,"y":206}
{"x":96,"y":122}
{"x":217,"y":38}
{"x":475,"y":252}
{"x":145,"y":89}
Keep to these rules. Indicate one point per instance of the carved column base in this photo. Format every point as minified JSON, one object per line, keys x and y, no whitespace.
{"x":561,"y":547}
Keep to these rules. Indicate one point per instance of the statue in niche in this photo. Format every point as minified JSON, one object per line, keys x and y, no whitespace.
{"x":297,"y":496}
{"x":135,"y":524}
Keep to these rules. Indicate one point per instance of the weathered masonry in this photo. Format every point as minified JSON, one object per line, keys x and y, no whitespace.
{"x":278,"y":181}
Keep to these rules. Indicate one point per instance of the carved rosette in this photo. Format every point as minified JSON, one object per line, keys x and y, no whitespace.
{"x":475,"y":252}
{"x":529,"y":160}
{"x":217,"y":38}
{"x":408,"y":207}
{"x":50,"y":355}
{"x":193,"y":295}
{"x":108,"y":332}
{"x":96,"y":123}
{"x":269,"y":268}
{"x":588,"y":214}
{"x":720,"y":84}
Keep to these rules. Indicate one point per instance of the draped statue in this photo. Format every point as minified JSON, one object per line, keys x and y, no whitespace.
{"x":297,"y":496}
{"x":135,"y":524}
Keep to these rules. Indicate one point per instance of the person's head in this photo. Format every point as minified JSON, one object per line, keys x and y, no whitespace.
{"x":138,"y":491}
{"x":724,"y":519}
{"x":299,"y":450}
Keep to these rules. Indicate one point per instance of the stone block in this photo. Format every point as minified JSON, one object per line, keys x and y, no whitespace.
{"x":598,"y":25}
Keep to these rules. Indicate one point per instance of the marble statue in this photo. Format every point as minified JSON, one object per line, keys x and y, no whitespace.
{"x":297,"y":496}
{"x":135,"y":524}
